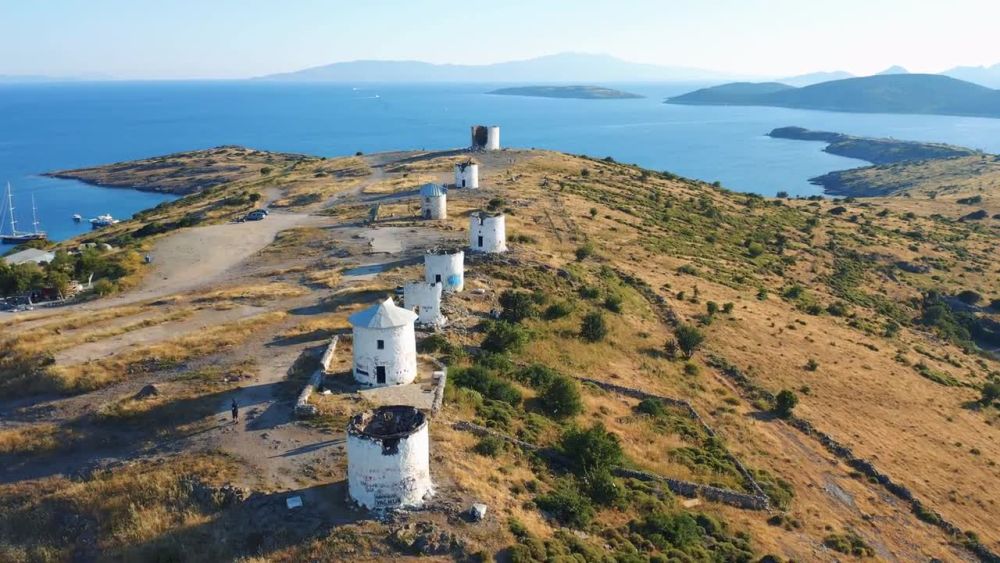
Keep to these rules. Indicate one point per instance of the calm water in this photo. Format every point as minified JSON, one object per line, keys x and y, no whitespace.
{"x":48,"y":127}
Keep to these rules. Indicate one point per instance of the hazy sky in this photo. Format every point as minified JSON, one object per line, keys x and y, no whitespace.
{"x":240,"y":38}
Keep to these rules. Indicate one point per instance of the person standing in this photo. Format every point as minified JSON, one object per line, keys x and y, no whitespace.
{"x":236,"y":412}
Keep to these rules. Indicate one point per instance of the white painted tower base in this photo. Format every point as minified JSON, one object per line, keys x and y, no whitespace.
{"x":388,"y":459}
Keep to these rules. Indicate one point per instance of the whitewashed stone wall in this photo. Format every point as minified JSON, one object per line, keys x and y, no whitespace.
{"x":424,"y":299}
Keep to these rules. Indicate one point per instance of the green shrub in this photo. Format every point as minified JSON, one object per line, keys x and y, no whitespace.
{"x":778,"y":491}
{"x":584,"y":251}
{"x":603,"y":488}
{"x":490,"y":446}
{"x":991,"y":392}
{"x":589,"y":292}
{"x":104,"y":287}
{"x":502,"y":336}
{"x":516,"y":306}
{"x":593,"y":328}
{"x":812,"y":365}
{"x":727,"y":308}
{"x":567,"y":505}
{"x":691,"y":369}
{"x":652,"y":407}
{"x":536,"y":375}
{"x":591,"y":450}
{"x":755,"y":249}
{"x":670,"y":531}
{"x":487,"y":384}
{"x":794,"y":291}
{"x":561,"y":398}
{"x":557,"y":310}
{"x":711,"y":308}
{"x":613,"y":303}
{"x":849,"y":543}
{"x":837,"y":309}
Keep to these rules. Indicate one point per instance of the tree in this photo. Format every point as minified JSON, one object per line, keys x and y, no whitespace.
{"x":593,"y":328}
{"x":689,"y":338}
{"x":784,"y":402}
{"x":991,"y":392}
{"x":593,"y":212}
{"x":561,"y":398}
{"x":712,"y":307}
{"x":517,"y":306}
{"x":59,"y":281}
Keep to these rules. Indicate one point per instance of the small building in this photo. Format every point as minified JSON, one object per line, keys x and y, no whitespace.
{"x":388,"y":459}
{"x":485,"y":138}
{"x":447,"y":267}
{"x":424,"y":299}
{"x":433,"y":202}
{"x":30,"y":255}
{"x":467,"y":174}
{"x":487,"y":232}
{"x":385,"y":345}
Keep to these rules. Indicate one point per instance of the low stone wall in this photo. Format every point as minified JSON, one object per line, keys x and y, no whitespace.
{"x":861,"y":465}
{"x":707,"y":492}
{"x":302,"y":407}
{"x":328,"y":355}
{"x":683,"y":488}
{"x":686,"y":406}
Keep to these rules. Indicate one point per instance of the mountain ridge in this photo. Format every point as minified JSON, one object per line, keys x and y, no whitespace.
{"x":560,"y":67}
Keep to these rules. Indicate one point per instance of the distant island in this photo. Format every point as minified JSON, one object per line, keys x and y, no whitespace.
{"x":578,"y":92}
{"x":884,"y":93}
{"x":875,"y":151}
{"x":899,"y":166}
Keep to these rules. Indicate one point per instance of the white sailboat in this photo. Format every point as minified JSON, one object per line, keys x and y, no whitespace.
{"x":16,"y":237}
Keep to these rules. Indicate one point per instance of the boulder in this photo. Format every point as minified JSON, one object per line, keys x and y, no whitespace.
{"x":148,"y":391}
{"x":424,"y":538}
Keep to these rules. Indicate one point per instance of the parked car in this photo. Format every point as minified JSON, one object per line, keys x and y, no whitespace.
{"x":256,"y":215}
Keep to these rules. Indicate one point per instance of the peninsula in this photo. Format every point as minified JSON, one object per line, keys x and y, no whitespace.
{"x":873,"y":150}
{"x":578,"y":92}
{"x":886,"y":93}
{"x":900,"y":167}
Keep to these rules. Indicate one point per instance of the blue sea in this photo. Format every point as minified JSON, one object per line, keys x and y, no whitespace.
{"x":46,"y":127}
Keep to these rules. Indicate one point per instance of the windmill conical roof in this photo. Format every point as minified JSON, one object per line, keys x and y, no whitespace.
{"x":383,"y":315}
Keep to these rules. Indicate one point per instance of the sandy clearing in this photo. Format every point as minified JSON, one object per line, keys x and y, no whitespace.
{"x":198,"y":256}
{"x":158,"y":333}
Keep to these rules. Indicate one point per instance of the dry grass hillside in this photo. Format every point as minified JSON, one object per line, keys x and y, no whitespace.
{"x":879,"y":320}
